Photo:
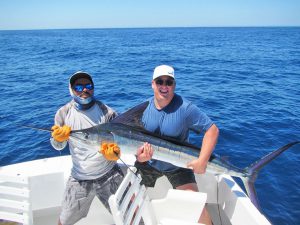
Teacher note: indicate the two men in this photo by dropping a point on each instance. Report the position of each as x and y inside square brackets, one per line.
[167, 114]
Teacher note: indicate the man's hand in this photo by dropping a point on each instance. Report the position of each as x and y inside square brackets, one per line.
[198, 166]
[61, 134]
[110, 151]
[144, 153]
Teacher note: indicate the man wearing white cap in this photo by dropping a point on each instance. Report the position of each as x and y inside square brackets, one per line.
[171, 115]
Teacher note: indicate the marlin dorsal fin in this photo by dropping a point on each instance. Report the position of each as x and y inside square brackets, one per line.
[132, 117]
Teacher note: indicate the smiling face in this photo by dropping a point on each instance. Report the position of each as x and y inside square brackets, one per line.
[163, 87]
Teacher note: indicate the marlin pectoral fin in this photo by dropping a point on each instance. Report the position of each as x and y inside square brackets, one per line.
[132, 117]
[224, 158]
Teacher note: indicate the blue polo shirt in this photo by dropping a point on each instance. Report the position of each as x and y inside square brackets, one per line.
[175, 120]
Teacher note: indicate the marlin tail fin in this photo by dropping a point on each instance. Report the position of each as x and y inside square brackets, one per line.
[253, 170]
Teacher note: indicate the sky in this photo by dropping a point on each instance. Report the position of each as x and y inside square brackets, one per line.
[69, 14]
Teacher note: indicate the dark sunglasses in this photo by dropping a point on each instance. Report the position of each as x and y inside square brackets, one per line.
[167, 82]
[80, 87]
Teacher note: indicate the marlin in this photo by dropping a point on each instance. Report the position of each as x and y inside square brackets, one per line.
[127, 131]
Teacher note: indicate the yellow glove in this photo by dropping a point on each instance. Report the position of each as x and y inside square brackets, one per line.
[110, 151]
[61, 134]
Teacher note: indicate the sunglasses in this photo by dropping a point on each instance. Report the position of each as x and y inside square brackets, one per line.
[167, 82]
[81, 87]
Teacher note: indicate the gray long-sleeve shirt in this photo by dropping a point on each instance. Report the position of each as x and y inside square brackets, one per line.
[88, 163]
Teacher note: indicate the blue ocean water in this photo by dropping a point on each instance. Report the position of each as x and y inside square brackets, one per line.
[246, 79]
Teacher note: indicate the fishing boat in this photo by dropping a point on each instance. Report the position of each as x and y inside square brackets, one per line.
[31, 193]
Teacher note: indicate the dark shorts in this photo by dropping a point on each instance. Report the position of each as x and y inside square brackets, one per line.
[177, 178]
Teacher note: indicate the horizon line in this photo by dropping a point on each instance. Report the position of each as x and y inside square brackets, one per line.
[154, 27]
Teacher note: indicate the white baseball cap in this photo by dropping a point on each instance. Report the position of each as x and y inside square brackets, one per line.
[163, 70]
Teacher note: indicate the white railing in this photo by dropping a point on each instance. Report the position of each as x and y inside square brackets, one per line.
[15, 199]
[131, 203]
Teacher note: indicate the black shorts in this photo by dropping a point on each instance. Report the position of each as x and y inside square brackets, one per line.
[177, 177]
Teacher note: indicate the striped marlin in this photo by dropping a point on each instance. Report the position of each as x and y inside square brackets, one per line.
[127, 131]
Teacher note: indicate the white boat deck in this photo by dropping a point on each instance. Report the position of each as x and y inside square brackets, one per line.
[227, 203]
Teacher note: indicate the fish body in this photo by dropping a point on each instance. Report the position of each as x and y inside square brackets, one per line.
[126, 130]
[129, 139]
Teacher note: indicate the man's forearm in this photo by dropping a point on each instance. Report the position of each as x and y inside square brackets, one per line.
[209, 142]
